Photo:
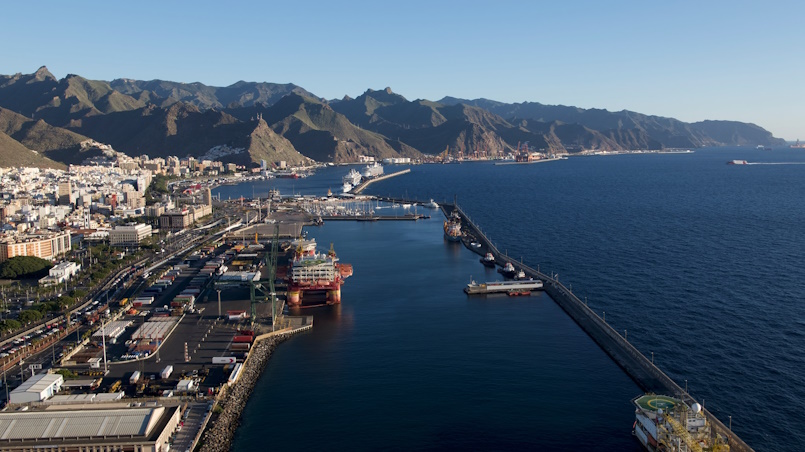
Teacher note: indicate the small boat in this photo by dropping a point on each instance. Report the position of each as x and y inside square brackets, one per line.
[508, 270]
[432, 204]
[488, 260]
[737, 162]
[520, 275]
[518, 293]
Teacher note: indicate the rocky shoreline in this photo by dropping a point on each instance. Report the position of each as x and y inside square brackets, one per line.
[219, 436]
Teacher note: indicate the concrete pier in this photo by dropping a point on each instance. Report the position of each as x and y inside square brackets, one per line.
[648, 376]
[362, 186]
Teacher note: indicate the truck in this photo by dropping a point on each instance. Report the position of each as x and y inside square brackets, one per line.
[240, 347]
[135, 377]
[166, 372]
[223, 359]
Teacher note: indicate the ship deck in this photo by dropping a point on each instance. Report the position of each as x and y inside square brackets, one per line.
[653, 402]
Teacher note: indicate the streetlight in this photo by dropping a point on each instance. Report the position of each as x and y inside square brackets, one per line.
[652, 357]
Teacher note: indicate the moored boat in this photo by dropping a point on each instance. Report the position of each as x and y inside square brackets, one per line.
[508, 270]
[488, 260]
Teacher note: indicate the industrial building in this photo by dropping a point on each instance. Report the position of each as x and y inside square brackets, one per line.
[146, 429]
[37, 388]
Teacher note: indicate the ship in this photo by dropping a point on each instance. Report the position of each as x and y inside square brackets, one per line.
[432, 204]
[508, 270]
[474, 288]
[347, 187]
[488, 260]
[373, 170]
[737, 162]
[797, 145]
[353, 178]
[452, 227]
[669, 424]
[315, 278]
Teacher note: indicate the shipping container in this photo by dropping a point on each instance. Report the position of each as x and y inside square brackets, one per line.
[166, 372]
[242, 339]
[135, 377]
[240, 347]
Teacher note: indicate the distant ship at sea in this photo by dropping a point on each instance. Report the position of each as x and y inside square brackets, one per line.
[797, 145]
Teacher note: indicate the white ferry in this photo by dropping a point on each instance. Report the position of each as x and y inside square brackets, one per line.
[373, 170]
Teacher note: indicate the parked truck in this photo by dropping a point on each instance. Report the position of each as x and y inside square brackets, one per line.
[135, 377]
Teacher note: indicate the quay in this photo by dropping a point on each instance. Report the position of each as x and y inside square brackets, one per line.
[362, 186]
[530, 162]
[406, 217]
[639, 368]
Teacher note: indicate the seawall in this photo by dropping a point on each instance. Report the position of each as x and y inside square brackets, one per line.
[648, 376]
[219, 435]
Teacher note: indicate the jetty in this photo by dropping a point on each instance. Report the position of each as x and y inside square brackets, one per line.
[362, 186]
[639, 368]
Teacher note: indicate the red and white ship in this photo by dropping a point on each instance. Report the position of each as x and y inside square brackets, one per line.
[315, 278]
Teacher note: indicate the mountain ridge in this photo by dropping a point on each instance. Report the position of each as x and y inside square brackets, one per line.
[246, 122]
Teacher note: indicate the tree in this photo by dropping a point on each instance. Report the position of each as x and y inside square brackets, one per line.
[30, 315]
[10, 325]
[24, 267]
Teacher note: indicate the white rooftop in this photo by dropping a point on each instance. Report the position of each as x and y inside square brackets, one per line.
[39, 383]
[48, 425]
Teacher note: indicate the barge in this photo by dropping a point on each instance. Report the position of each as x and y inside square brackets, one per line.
[474, 288]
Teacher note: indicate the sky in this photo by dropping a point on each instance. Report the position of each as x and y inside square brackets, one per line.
[691, 60]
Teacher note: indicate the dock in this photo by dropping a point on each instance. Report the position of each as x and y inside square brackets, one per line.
[362, 186]
[639, 368]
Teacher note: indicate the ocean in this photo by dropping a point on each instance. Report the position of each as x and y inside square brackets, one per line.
[697, 261]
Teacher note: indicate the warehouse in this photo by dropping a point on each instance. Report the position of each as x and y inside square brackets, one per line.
[37, 388]
[123, 429]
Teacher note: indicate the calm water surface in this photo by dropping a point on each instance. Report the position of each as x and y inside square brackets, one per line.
[700, 261]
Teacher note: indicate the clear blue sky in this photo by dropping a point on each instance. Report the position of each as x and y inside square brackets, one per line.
[691, 60]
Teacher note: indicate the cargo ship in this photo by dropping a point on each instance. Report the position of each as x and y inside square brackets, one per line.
[314, 278]
[373, 170]
[452, 227]
[665, 423]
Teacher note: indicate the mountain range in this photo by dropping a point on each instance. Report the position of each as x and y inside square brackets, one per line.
[45, 120]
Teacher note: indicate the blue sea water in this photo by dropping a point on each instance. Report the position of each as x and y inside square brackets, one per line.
[697, 260]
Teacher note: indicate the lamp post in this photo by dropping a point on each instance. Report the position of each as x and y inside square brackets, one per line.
[652, 357]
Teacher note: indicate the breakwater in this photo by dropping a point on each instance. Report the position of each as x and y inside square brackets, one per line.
[639, 368]
[362, 186]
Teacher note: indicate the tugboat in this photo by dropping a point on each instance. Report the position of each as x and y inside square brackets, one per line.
[508, 270]
[518, 293]
[488, 260]
[520, 275]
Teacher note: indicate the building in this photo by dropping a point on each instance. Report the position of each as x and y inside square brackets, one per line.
[155, 210]
[46, 246]
[175, 220]
[129, 235]
[206, 196]
[142, 429]
[37, 388]
[62, 272]
[65, 192]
